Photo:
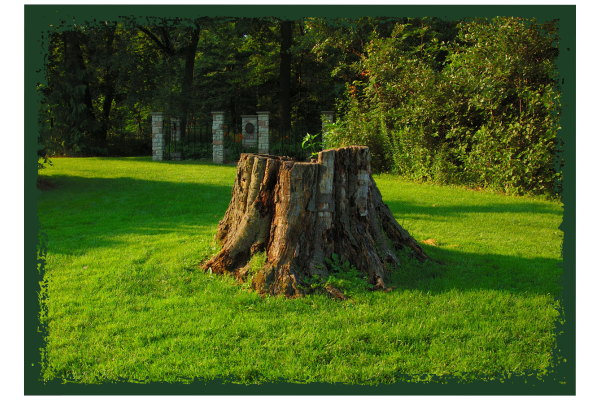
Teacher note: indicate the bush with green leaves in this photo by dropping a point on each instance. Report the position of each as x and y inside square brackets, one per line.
[234, 145]
[359, 127]
[502, 78]
[288, 148]
[189, 151]
[128, 145]
[480, 110]
[43, 153]
[342, 275]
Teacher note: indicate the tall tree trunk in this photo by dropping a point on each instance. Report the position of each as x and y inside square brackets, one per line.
[188, 77]
[78, 65]
[285, 66]
[110, 78]
[301, 213]
[188, 53]
[233, 112]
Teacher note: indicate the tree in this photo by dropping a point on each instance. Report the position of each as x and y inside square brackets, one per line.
[88, 74]
[470, 102]
[502, 76]
[71, 124]
[101, 50]
[178, 42]
[285, 65]
[123, 63]
[301, 214]
[225, 71]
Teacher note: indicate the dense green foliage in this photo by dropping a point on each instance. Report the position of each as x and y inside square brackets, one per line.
[99, 86]
[480, 109]
[472, 102]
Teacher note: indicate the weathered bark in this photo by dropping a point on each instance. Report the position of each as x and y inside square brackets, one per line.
[301, 213]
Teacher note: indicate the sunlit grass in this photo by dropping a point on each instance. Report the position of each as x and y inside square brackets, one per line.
[126, 301]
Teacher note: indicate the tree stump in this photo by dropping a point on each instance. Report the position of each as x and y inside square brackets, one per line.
[301, 213]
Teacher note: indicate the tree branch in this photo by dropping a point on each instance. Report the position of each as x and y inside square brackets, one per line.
[156, 40]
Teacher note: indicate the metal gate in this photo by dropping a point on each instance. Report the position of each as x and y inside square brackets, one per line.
[232, 127]
[192, 143]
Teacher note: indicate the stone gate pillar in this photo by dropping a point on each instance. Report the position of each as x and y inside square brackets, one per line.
[218, 137]
[263, 132]
[249, 130]
[158, 139]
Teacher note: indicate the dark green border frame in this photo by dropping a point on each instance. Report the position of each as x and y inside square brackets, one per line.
[560, 381]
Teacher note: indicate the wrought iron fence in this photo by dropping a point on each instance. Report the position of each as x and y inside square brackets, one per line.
[130, 127]
[289, 143]
[192, 143]
[129, 137]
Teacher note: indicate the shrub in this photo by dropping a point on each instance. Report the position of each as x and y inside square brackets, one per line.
[486, 116]
[125, 145]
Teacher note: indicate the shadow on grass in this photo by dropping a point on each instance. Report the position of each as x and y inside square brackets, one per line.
[454, 269]
[148, 159]
[406, 208]
[81, 213]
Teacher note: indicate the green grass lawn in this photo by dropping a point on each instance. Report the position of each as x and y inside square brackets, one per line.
[125, 300]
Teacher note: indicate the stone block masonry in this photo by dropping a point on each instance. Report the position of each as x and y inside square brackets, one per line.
[256, 134]
[249, 130]
[260, 125]
[263, 132]
[158, 139]
[218, 137]
[159, 132]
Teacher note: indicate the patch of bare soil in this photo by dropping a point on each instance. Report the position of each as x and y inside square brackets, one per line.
[45, 184]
